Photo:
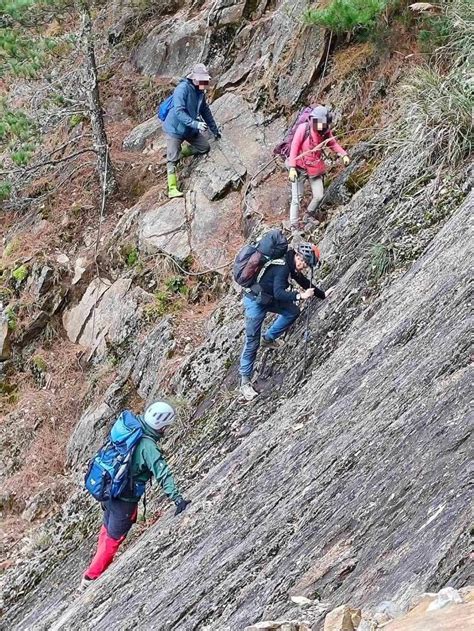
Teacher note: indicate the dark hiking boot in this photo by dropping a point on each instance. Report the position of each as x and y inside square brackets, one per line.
[271, 344]
[85, 582]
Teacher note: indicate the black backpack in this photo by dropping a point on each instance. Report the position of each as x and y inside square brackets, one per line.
[252, 259]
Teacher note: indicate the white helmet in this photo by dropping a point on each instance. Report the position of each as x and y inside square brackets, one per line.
[159, 415]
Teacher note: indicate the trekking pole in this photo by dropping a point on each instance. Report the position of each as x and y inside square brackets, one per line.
[306, 328]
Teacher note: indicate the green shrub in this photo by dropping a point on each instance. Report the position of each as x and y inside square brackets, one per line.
[159, 306]
[18, 135]
[76, 119]
[21, 10]
[167, 299]
[382, 260]
[19, 274]
[5, 190]
[11, 318]
[341, 16]
[177, 285]
[130, 254]
[39, 364]
[24, 55]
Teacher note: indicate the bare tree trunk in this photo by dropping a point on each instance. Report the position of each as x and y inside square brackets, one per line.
[104, 165]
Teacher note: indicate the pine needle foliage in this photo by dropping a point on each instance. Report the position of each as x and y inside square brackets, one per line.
[342, 16]
[24, 51]
[18, 139]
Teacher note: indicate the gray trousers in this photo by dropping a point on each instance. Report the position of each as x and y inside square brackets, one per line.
[297, 192]
[198, 144]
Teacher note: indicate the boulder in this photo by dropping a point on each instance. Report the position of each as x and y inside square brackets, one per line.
[214, 229]
[243, 144]
[163, 227]
[5, 335]
[343, 618]
[80, 266]
[143, 134]
[75, 319]
[227, 12]
[107, 314]
[457, 616]
[445, 597]
[277, 55]
[40, 280]
[172, 47]
[219, 172]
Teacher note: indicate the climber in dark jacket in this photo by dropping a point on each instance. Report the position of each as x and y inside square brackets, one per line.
[188, 120]
[274, 287]
[121, 513]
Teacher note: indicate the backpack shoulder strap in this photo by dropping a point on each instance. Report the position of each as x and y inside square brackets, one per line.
[267, 265]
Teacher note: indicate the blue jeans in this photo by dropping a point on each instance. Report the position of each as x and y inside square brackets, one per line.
[254, 317]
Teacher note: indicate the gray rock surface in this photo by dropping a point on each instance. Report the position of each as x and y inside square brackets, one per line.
[106, 315]
[333, 485]
[322, 509]
[172, 47]
[143, 134]
[274, 55]
[5, 335]
[144, 371]
[164, 227]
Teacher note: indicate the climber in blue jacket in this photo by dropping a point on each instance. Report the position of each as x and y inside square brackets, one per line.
[188, 119]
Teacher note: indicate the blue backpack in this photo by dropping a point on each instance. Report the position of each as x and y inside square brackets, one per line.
[108, 475]
[164, 108]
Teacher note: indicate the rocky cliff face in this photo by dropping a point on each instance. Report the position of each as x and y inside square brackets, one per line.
[347, 479]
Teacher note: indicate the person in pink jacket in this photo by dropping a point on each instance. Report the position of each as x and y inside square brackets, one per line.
[305, 163]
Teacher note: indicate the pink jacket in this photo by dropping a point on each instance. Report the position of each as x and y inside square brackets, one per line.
[312, 163]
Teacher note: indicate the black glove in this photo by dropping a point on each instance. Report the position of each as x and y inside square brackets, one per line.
[218, 136]
[181, 504]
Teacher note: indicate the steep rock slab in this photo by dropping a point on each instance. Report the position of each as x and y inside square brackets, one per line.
[205, 366]
[276, 55]
[141, 136]
[244, 148]
[214, 229]
[376, 474]
[150, 355]
[172, 47]
[107, 314]
[163, 227]
[217, 173]
[142, 373]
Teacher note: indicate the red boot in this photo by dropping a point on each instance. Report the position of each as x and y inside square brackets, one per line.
[106, 550]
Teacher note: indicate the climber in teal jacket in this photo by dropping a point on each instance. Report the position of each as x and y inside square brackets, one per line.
[121, 513]
[188, 120]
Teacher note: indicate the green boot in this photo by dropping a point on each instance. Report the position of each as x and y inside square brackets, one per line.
[173, 186]
[186, 151]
